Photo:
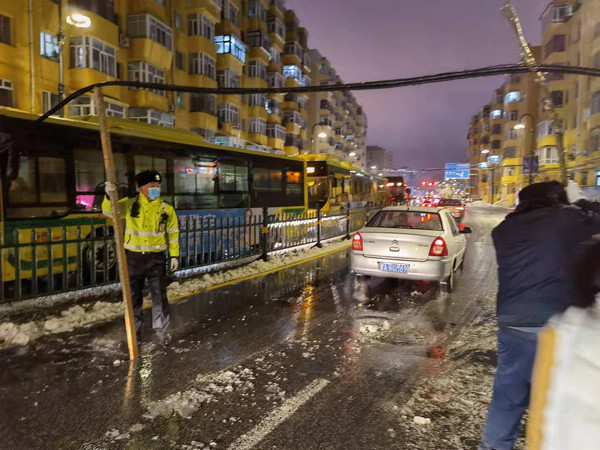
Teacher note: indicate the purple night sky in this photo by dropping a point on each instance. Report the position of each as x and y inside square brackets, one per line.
[368, 40]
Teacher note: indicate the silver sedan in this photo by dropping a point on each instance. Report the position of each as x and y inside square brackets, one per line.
[412, 243]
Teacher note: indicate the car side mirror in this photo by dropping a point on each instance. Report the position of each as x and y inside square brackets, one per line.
[466, 230]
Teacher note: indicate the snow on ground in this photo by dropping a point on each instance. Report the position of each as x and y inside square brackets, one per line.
[81, 315]
[448, 408]
[480, 204]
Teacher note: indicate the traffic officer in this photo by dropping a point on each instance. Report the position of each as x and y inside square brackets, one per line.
[151, 228]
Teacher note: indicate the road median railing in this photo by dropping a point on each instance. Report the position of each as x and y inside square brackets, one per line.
[38, 262]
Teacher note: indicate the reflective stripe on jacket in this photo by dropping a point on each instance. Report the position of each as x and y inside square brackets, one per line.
[147, 233]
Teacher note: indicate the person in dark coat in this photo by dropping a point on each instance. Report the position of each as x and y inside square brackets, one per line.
[536, 246]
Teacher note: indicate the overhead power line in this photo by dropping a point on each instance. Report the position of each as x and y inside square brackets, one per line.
[361, 86]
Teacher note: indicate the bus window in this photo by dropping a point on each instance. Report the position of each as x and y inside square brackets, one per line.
[150, 163]
[233, 178]
[23, 188]
[53, 176]
[89, 177]
[293, 184]
[194, 185]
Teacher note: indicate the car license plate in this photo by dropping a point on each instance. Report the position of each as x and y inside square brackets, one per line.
[398, 268]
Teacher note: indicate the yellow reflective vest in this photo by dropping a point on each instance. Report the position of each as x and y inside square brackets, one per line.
[148, 232]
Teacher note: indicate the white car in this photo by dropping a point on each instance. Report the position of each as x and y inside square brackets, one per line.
[412, 243]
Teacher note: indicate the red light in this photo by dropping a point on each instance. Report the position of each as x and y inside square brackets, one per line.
[423, 183]
[357, 242]
[430, 184]
[438, 248]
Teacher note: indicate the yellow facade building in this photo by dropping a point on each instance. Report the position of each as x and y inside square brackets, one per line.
[570, 36]
[203, 43]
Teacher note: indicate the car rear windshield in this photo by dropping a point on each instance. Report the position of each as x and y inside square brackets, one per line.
[412, 220]
[449, 202]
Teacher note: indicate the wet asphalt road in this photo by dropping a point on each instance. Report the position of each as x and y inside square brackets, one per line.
[281, 361]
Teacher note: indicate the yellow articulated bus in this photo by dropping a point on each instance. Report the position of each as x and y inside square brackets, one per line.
[52, 234]
[333, 185]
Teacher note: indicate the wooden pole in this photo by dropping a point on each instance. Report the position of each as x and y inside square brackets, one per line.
[109, 167]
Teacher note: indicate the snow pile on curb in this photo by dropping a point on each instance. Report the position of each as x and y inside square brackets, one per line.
[69, 319]
[79, 316]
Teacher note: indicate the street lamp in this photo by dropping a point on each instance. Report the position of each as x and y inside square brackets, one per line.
[352, 154]
[374, 167]
[77, 20]
[321, 135]
[522, 126]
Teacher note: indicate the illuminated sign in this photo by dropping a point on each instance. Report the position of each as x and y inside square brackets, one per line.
[310, 170]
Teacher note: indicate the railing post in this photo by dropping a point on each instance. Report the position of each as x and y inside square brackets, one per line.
[348, 223]
[264, 237]
[318, 244]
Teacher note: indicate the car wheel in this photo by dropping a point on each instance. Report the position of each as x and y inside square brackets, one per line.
[448, 284]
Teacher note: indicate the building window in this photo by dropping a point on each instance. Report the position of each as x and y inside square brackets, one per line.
[152, 116]
[272, 106]
[258, 39]
[207, 134]
[511, 135]
[178, 21]
[545, 128]
[202, 64]
[512, 97]
[89, 53]
[558, 43]
[49, 45]
[146, 73]
[257, 100]
[50, 100]
[496, 114]
[496, 144]
[595, 107]
[228, 79]
[86, 106]
[257, 69]
[597, 178]
[292, 71]
[228, 113]
[179, 101]
[575, 120]
[256, 125]
[257, 10]
[230, 12]
[199, 25]
[510, 152]
[293, 48]
[230, 44]
[497, 129]
[293, 117]
[275, 131]
[147, 26]
[204, 103]
[511, 116]
[556, 13]
[305, 81]
[5, 36]
[274, 55]
[103, 8]
[6, 93]
[179, 62]
[547, 155]
[275, 26]
[275, 80]
[557, 98]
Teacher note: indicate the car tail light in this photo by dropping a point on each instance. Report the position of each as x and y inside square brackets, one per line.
[460, 208]
[357, 242]
[438, 248]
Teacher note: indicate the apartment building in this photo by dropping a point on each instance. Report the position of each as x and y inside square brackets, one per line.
[570, 36]
[338, 123]
[204, 43]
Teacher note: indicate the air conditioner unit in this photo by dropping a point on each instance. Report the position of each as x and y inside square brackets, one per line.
[123, 40]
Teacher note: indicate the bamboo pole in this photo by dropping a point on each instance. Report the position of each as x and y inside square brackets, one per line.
[109, 166]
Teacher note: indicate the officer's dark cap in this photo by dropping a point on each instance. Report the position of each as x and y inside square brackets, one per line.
[148, 176]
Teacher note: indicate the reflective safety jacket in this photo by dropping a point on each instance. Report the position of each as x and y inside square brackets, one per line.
[155, 229]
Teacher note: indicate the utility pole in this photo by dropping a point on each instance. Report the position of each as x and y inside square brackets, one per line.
[508, 10]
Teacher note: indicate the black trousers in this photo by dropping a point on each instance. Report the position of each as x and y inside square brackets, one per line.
[150, 267]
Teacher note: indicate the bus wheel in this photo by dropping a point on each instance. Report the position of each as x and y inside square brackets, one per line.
[94, 258]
